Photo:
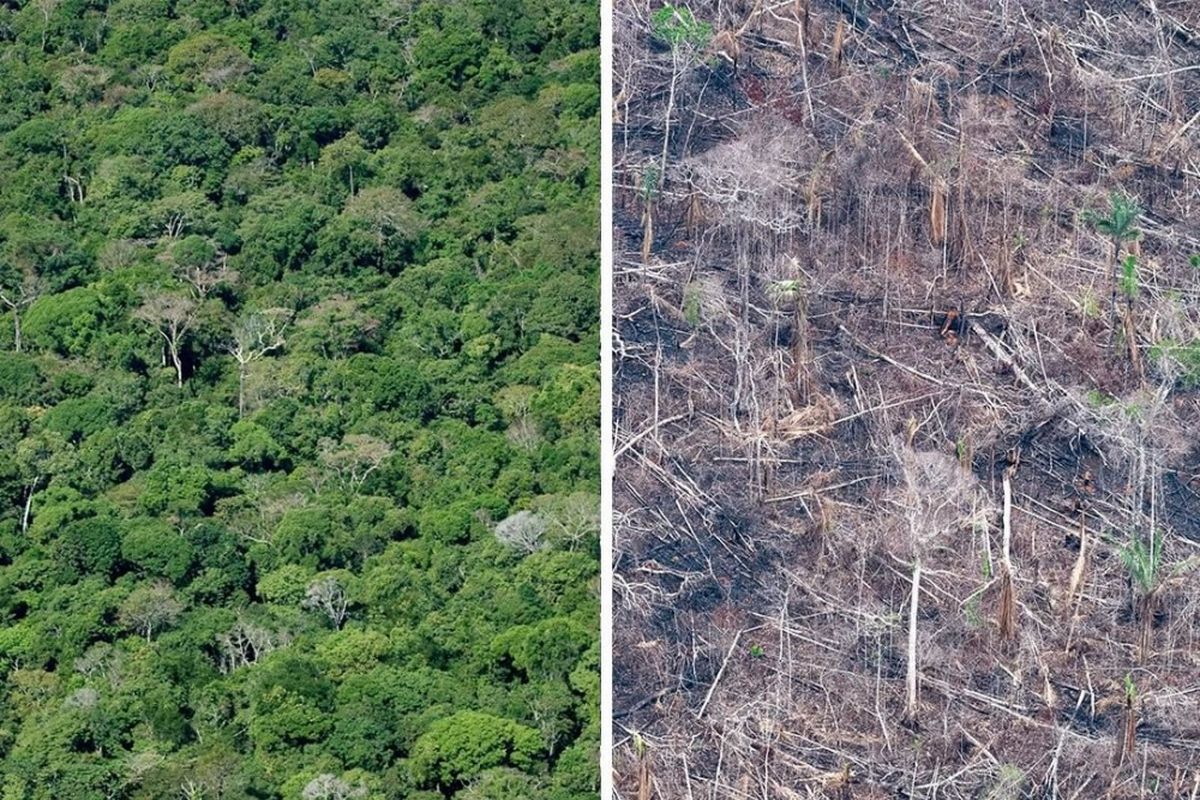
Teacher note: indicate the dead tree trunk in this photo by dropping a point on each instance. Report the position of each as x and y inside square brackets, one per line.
[1007, 614]
[910, 707]
[29, 504]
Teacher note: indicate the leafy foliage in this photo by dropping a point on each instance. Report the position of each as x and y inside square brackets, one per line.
[677, 26]
[1118, 222]
[298, 301]
[1143, 561]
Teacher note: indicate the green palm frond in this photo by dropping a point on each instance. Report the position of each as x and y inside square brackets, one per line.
[785, 292]
[1143, 562]
[1123, 212]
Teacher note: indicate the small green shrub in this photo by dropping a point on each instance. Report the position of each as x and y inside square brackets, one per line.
[677, 26]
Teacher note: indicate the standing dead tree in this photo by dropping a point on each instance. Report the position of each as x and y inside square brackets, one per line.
[353, 460]
[172, 317]
[935, 497]
[17, 293]
[254, 336]
[1007, 615]
[328, 596]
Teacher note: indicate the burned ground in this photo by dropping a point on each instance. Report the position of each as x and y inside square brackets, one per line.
[861, 290]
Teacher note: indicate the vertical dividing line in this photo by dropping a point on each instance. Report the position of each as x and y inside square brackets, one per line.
[606, 398]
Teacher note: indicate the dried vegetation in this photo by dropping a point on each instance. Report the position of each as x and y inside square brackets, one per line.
[908, 340]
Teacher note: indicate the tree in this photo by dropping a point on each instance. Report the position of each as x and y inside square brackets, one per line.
[330, 787]
[19, 289]
[1119, 225]
[467, 743]
[791, 293]
[328, 596]
[686, 36]
[254, 336]
[354, 460]
[574, 519]
[524, 531]
[1144, 560]
[150, 608]
[376, 225]
[198, 264]
[38, 458]
[337, 327]
[344, 159]
[212, 58]
[171, 316]
[935, 496]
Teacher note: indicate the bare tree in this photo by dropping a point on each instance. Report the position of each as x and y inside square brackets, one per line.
[203, 278]
[328, 596]
[353, 460]
[16, 294]
[524, 531]
[246, 643]
[935, 496]
[171, 316]
[150, 608]
[573, 519]
[253, 337]
[331, 787]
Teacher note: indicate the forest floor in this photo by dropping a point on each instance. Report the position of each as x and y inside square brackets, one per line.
[875, 330]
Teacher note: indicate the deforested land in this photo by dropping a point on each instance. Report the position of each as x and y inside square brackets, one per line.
[299, 400]
[907, 370]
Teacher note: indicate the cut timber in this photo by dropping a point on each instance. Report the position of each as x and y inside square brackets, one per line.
[720, 672]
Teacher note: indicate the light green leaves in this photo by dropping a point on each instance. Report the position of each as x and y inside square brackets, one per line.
[1143, 561]
[678, 27]
[1118, 224]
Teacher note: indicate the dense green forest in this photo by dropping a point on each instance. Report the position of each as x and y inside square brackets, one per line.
[299, 399]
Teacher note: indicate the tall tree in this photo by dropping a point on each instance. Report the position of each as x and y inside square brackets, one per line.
[18, 290]
[171, 316]
[254, 336]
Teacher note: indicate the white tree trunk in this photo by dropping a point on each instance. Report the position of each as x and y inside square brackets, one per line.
[29, 505]
[241, 388]
[913, 607]
[675, 70]
[1006, 544]
[178, 364]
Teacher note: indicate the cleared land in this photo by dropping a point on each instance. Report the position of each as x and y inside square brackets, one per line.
[908, 316]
